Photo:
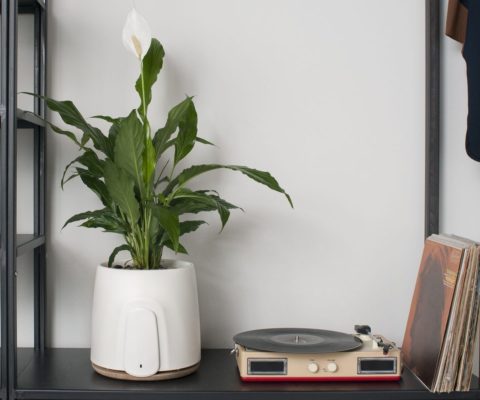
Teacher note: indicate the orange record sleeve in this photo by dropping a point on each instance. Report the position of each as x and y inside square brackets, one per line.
[430, 308]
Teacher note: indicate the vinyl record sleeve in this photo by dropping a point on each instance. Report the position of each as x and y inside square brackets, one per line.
[430, 307]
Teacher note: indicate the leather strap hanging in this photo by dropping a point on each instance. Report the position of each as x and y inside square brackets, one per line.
[457, 16]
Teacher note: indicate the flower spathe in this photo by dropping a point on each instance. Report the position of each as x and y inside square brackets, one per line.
[136, 34]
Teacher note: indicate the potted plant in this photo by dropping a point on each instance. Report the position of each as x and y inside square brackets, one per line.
[145, 318]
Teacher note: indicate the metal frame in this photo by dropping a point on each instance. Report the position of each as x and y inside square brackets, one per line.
[11, 244]
[4, 195]
[10, 118]
[9, 147]
[40, 30]
[432, 116]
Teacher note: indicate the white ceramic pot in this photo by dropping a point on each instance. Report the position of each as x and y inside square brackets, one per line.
[145, 323]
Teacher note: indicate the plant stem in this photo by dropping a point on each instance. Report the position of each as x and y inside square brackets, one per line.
[144, 103]
[144, 237]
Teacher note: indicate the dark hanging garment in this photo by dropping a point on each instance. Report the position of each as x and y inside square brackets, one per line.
[463, 25]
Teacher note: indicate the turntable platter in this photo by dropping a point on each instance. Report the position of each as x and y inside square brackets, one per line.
[294, 340]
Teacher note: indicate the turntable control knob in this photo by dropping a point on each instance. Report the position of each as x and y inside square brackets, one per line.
[332, 367]
[313, 367]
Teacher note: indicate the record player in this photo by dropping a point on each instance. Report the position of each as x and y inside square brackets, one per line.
[291, 354]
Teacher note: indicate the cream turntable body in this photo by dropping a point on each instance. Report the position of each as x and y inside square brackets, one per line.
[292, 354]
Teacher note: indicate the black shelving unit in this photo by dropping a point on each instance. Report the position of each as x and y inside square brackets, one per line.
[58, 374]
[67, 374]
[42, 373]
[13, 245]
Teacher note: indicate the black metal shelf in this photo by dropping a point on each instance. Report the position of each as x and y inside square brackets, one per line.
[29, 6]
[28, 242]
[43, 374]
[31, 3]
[67, 373]
[28, 120]
[13, 245]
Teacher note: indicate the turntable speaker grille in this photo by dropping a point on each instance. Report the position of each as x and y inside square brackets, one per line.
[267, 366]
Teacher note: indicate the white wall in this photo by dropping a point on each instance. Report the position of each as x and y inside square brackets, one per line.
[327, 95]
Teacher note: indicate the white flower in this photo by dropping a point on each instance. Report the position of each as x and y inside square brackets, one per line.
[136, 34]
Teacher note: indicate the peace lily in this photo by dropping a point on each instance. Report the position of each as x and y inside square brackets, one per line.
[136, 34]
[134, 172]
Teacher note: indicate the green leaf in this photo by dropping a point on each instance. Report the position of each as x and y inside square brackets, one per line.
[262, 177]
[55, 128]
[115, 251]
[186, 205]
[204, 141]
[171, 142]
[94, 165]
[68, 112]
[149, 162]
[160, 180]
[161, 139]
[95, 185]
[63, 132]
[129, 145]
[82, 216]
[88, 159]
[155, 230]
[168, 220]
[73, 176]
[113, 132]
[71, 116]
[63, 181]
[121, 189]
[190, 226]
[109, 222]
[151, 66]
[187, 133]
[180, 249]
[107, 118]
[103, 218]
[202, 201]
[214, 194]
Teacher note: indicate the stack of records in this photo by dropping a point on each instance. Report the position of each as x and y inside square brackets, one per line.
[439, 340]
